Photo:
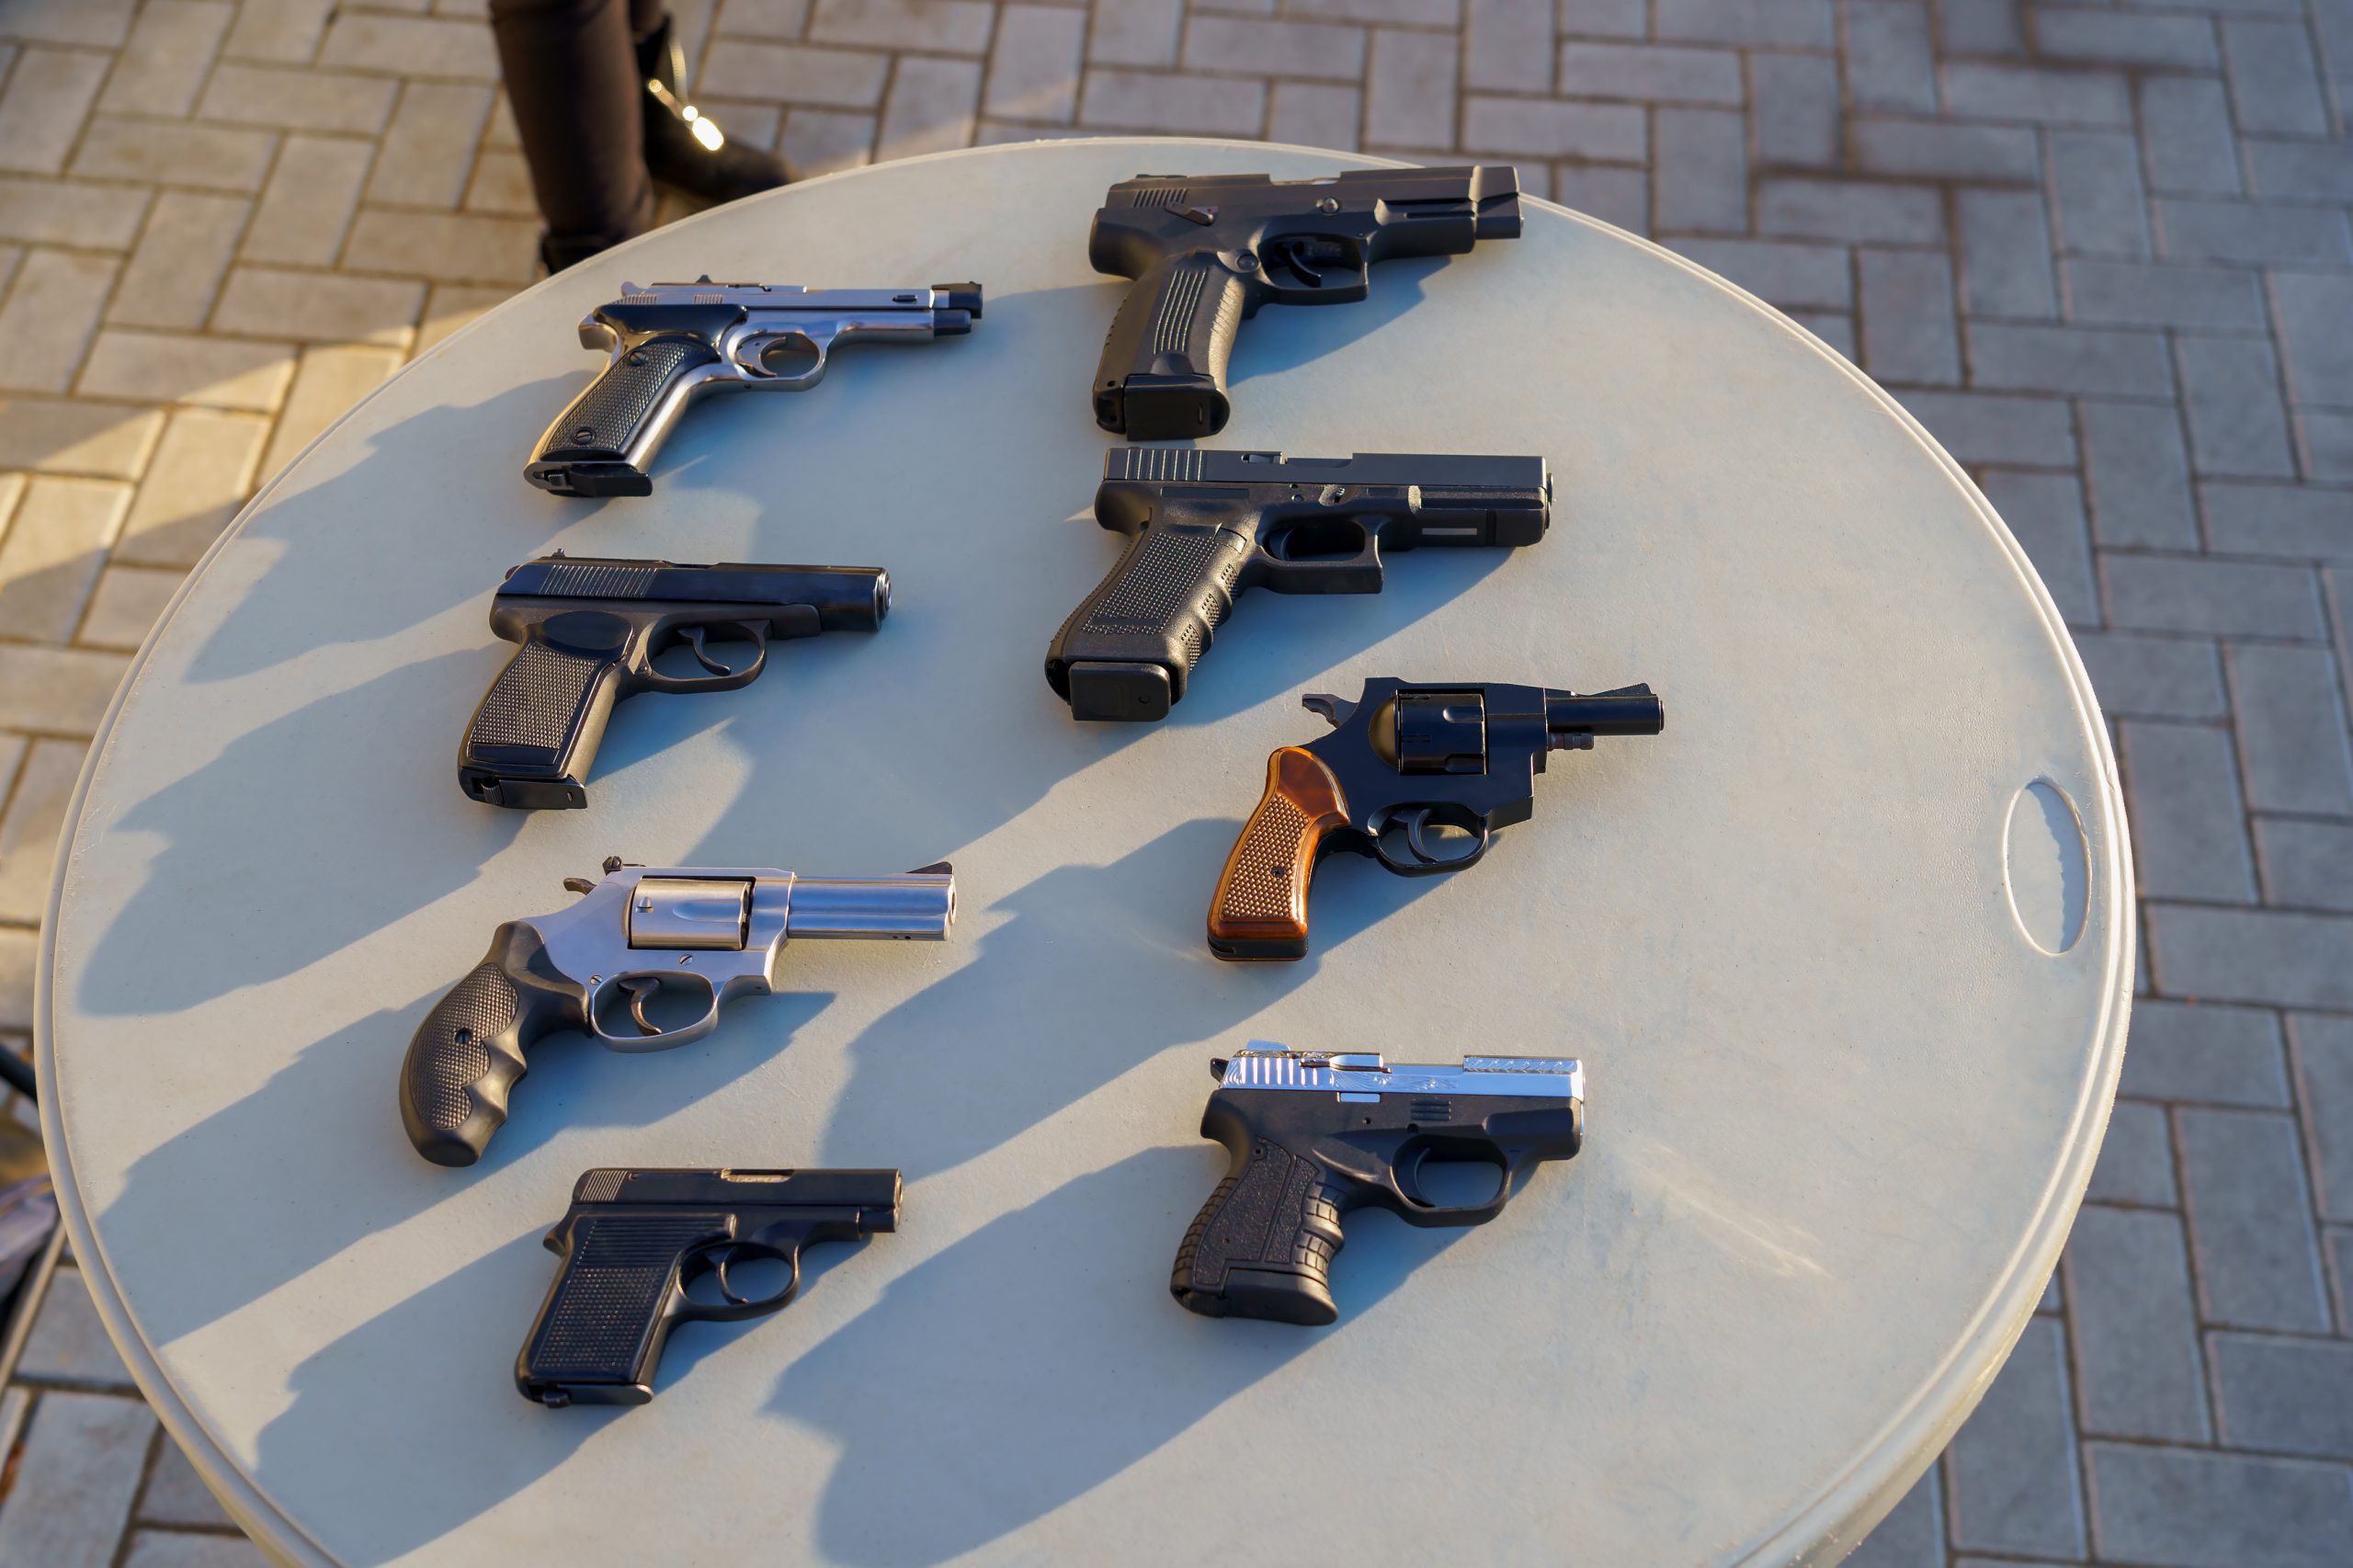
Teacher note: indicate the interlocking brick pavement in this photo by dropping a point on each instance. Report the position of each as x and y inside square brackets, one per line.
[2103, 251]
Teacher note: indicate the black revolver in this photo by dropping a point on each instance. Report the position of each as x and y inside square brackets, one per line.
[671, 343]
[590, 629]
[634, 1244]
[1207, 252]
[1403, 765]
[1205, 525]
[1314, 1135]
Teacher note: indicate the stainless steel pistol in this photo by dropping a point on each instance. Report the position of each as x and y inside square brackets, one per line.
[671, 343]
[714, 934]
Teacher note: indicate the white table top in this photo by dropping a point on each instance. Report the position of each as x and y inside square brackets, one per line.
[1841, 1107]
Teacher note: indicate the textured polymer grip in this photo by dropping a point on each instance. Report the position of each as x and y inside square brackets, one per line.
[532, 741]
[1262, 1246]
[586, 450]
[599, 1333]
[1259, 910]
[469, 1051]
[1125, 652]
[1162, 373]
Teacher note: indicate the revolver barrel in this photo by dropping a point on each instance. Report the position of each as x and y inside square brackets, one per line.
[1571, 720]
[916, 907]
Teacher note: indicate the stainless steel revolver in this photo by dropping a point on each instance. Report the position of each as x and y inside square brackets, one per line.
[711, 933]
[671, 343]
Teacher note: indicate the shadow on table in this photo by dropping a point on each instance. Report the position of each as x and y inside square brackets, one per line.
[315, 1160]
[1048, 1313]
[1115, 966]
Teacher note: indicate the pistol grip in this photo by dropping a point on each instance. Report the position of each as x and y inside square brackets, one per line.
[467, 1054]
[602, 444]
[1259, 910]
[1162, 377]
[532, 738]
[1125, 652]
[599, 1334]
[1262, 1246]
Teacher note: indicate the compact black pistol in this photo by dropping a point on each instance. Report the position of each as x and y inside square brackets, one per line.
[1405, 769]
[1204, 526]
[669, 344]
[1206, 252]
[634, 1244]
[1313, 1134]
[590, 629]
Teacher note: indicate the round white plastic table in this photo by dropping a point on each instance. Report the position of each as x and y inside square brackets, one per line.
[1846, 952]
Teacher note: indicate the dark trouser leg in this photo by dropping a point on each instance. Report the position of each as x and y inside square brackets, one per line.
[572, 75]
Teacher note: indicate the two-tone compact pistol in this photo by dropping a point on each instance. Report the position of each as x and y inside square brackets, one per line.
[1205, 525]
[589, 629]
[670, 344]
[636, 1246]
[706, 934]
[1313, 1134]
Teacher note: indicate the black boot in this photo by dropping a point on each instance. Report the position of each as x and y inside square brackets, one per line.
[683, 147]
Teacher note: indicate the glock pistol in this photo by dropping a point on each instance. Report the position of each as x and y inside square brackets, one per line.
[706, 935]
[1207, 252]
[1313, 1134]
[636, 1244]
[1417, 776]
[1204, 526]
[671, 343]
[589, 629]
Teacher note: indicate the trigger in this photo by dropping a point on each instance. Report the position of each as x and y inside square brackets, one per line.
[640, 989]
[694, 635]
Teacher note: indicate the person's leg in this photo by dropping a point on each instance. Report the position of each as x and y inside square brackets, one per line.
[682, 146]
[573, 77]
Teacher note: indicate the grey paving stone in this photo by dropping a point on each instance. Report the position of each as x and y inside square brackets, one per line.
[1889, 57]
[2306, 864]
[2137, 473]
[2156, 677]
[2278, 519]
[2045, 511]
[1409, 91]
[2284, 1395]
[80, 1465]
[1980, 26]
[2169, 593]
[1986, 427]
[177, 1496]
[1549, 128]
[2320, 1049]
[1787, 274]
[2044, 94]
[1787, 24]
[1701, 178]
[68, 1343]
[2238, 424]
[931, 108]
[2291, 729]
[2133, 1325]
[2188, 831]
[2264, 956]
[2250, 230]
[1034, 64]
[2274, 85]
[1947, 149]
[2187, 138]
[2127, 294]
[1313, 114]
[2318, 171]
[2206, 1052]
[2006, 254]
[1850, 212]
[2097, 205]
[2340, 1260]
[1910, 333]
[2012, 1467]
[1507, 45]
[1793, 111]
[2311, 311]
[1136, 32]
[2201, 1509]
[171, 1549]
[1605, 19]
[2250, 1220]
[2324, 444]
[1281, 49]
[1669, 74]
[1912, 1536]
[1128, 100]
[2112, 38]
[1615, 195]
[2067, 360]
[2135, 1164]
[1837, 331]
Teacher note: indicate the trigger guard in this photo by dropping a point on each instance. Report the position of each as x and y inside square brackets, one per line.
[754, 369]
[660, 1040]
[695, 636]
[1414, 820]
[727, 1288]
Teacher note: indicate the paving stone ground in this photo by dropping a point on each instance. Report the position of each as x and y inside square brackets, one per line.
[2101, 251]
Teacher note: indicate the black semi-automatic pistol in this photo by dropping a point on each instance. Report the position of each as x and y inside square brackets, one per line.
[636, 1244]
[1207, 251]
[671, 343]
[1313, 1134]
[1405, 769]
[1205, 525]
[590, 629]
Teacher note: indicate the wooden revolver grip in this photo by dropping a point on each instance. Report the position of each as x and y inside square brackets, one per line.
[1259, 910]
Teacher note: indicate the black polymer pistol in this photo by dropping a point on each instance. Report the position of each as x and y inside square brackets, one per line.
[1401, 761]
[671, 343]
[590, 629]
[635, 1243]
[1204, 526]
[1314, 1135]
[1207, 252]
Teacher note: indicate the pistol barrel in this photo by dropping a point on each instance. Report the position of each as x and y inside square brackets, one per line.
[919, 906]
[1634, 710]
